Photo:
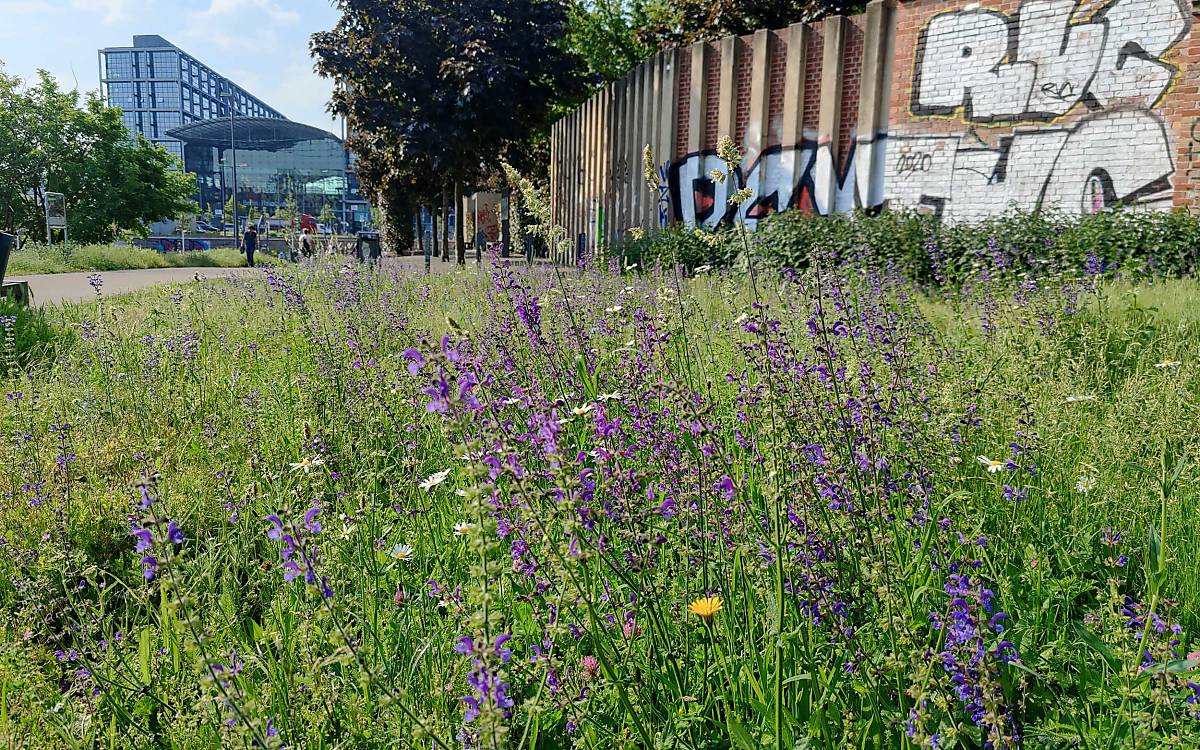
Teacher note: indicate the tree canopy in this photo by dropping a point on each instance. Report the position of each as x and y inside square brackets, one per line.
[49, 141]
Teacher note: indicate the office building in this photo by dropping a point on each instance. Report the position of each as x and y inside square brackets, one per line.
[277, 161]
[180, 103]
[160, 87]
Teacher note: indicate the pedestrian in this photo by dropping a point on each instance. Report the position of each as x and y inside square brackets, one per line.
[250, 244]
[306, 243]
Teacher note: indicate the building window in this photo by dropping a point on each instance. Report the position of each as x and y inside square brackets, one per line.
[118, 65]
[166, 94]
[121, 95]
[164, 64]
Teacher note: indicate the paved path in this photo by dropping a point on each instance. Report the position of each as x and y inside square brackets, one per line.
[61, 288]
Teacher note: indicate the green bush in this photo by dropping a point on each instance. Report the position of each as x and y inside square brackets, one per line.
[30, 337]
[39, 259]
[930, 250]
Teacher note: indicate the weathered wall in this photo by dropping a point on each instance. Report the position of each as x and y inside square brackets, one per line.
[1040, 103]
[959, 109]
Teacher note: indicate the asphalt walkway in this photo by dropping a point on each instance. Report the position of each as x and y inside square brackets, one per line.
[63, 288]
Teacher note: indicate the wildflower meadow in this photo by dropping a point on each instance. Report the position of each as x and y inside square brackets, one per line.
[331, 506]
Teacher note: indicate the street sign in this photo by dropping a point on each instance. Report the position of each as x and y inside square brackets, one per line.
[56, 210]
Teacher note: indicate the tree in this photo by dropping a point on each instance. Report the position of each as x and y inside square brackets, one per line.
[436, 91]
[112, 183]
[604, 34]
[671, 23]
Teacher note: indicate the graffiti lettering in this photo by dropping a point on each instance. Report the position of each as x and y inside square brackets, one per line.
[1040, 64]
[1074, 169]
[968, 64]
[913, 161]
[781, 178]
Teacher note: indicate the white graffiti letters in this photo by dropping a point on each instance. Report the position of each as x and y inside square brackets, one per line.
[1038, 64]
[961, 66]
[1077, 169]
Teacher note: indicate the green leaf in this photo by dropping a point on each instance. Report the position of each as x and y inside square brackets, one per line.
[144, 646]
[738, 734]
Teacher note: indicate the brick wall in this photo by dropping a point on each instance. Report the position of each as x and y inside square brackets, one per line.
[970, 108]
[1040, 105]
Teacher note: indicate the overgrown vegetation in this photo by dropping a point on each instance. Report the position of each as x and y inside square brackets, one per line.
[931, 251]
[57, 141]
[808, 508]
[37, 259]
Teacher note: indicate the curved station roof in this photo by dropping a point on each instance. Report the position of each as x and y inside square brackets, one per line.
[264, 133]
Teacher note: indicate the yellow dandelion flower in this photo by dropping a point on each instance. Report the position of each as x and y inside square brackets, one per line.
[706, 606]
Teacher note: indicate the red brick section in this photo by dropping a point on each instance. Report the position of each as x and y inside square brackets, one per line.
[712, 76]
[852, 65]
[775, 83]
[812, 81]
[1179, 107]
[742, 78]
[683, 101]
[1182, 109]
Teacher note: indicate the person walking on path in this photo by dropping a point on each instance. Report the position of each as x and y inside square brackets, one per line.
[306, 244]
[250, 244]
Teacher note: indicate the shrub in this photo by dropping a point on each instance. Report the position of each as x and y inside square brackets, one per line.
[932, 251]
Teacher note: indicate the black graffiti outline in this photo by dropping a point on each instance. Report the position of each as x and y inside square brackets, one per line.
[1012, 21]
[1003, 150]
[804, 185]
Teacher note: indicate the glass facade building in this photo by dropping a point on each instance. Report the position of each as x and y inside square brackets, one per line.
[160, 87]
[277, 161]
[180, 103]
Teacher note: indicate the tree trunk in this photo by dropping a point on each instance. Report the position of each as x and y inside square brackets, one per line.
[433, 235]
[445, 226]
[395, 221]
[420, 230]
[460, 248]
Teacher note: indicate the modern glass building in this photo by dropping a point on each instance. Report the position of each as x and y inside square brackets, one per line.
[160, 87]
[277, 160]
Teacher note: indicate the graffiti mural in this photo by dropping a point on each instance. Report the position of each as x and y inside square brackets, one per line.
[780, 179]
[1079, 93]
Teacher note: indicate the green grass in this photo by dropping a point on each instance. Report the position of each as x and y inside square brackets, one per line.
[805, 449]
[39, 259]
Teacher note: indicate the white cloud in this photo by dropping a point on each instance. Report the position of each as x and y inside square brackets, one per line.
[268, 7]
[110, 11]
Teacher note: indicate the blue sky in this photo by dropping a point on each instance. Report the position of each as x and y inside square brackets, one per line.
[260, 44]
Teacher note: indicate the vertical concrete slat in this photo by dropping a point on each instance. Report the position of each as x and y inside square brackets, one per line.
[669, 127]
[699, 98]
[760, 76]
[829, 118]
[872, 107]
[555, 155]
[646, 138]
[590, 167]
[628, 114]
[655, 136]
[727, 108]
[638, 129]
[793, 85]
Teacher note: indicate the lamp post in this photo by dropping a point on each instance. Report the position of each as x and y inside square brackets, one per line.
[227, 94]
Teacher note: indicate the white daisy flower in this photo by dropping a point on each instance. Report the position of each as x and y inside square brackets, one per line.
[1077, 399]
[613, 309]
[307, 464]
[606, 397]
[991, 465]
[579, 411]
[1167, 363]
[511, 401]
[462, 528]
[434, 480]
[741, 319]
[1085, 484]
[403, 552]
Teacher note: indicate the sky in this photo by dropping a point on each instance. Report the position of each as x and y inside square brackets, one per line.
[261, 44]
